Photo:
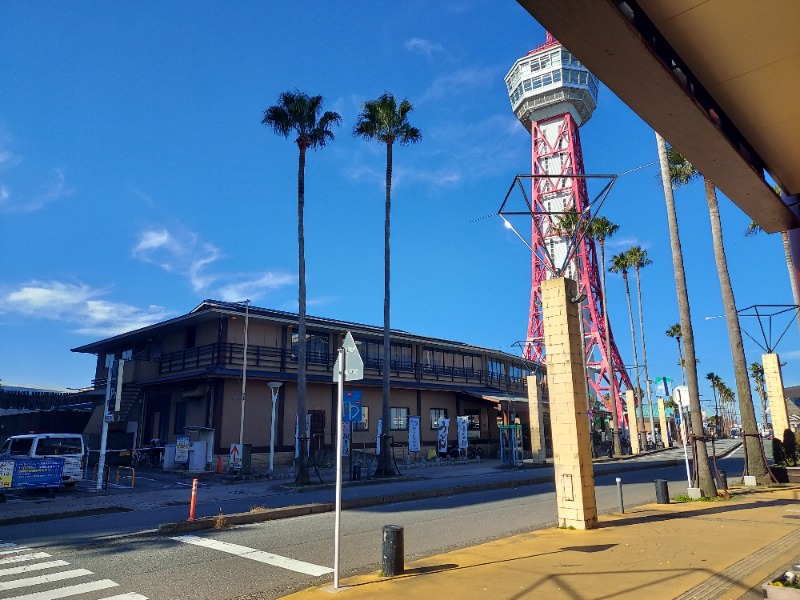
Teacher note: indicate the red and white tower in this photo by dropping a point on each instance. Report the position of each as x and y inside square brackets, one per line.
[553, 94]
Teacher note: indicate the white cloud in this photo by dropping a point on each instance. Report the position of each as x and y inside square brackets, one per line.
[185, 254]
[459, 82]
[421, 46]
[80, 304]
[49, 192]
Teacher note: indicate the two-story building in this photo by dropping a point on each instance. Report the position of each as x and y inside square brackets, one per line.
[188, 372]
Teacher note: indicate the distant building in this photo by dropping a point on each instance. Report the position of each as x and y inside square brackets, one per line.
[32, 410]
[187, 373]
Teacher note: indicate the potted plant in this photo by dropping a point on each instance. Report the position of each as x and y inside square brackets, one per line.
[785, 587]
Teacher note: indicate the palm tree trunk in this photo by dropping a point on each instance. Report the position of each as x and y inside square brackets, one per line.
[787, 252]
[644, 358]
[302, 464]
[702, 468]
[617, 444]
[637, 393]
[681, 362]
[755, 460]
[386, 463]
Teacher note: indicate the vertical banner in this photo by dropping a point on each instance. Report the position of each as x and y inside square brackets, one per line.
[378, 438]
[296, 436]
[462, 423]
[413, 434]
[345, 438]
[444, 428]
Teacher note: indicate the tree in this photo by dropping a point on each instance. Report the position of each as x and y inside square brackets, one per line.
[600, 229]
[620, 263]
[639, 260]
[301, 114]
[702, 467]
[757, 372]
[675, 332]
[684, 172]
[386, 122]
[715, 383]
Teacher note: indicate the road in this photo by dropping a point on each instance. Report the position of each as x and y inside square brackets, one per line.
[267, 560]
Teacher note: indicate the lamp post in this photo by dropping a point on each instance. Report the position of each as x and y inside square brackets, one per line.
[274, 386]
[244, 368]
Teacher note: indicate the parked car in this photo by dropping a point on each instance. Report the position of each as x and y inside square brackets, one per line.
[68, 446]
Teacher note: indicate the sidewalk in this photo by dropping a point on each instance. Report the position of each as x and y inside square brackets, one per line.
[693, 550]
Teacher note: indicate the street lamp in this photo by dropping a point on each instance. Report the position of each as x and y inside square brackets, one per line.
[274, 386]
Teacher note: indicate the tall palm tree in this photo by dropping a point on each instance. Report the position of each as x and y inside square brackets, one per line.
[716, 384]
[621, 263]
[702, 467]
[601, 229]
[757, 371]
[639, 260]
[684, 173]
[675, 332]
[301, 114]
[386, 122]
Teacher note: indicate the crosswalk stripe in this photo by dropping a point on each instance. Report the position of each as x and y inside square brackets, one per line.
[23, 557]
[128, 596]
[65, 592]
[35, 567]
[18, 583]
[15, 550]
[257, 555]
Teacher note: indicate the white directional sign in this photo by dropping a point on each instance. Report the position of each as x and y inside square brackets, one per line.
[353, 365]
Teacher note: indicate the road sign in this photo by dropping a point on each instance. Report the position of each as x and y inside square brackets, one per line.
[352, 407]
[353, 365]
[677, 418]
[235, 458]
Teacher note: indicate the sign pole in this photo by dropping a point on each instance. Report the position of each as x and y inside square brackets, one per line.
[338, 518]
[113, 393]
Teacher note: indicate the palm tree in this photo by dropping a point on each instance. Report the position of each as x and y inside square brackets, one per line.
[716, 384]
[600, 229]
[684, 173]
[620, 263]
[301, 114]
[703, 469]
[639, 260]
[675, 332]
[757, 371]
[386, 122]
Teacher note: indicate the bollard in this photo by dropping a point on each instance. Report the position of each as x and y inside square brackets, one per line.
[194, 500]
[722, 480]
[356, 476]
[619, 495]
[662, 491]
[392, 551]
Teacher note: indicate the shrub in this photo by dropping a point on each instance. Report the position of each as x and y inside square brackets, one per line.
[778, 452]
[790, 447]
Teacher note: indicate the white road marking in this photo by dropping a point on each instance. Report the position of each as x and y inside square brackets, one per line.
[10, 585]
[36, 567]
[72, 590]
[257, 555]
[15, 550]
[128, 596]
[23, 557]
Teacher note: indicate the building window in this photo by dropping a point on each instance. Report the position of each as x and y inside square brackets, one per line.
[180, 417]
[399, 419]
[436, 414]
[363, 424]
[316, 347]
[110, 358]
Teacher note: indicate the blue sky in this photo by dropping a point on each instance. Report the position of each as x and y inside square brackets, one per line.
[136, 180]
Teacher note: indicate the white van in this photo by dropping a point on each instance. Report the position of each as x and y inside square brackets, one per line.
[68, 446]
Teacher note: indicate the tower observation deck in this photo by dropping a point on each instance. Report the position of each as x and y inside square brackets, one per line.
[552, 94]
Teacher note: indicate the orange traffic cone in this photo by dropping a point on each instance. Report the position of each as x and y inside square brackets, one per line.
[219, 465]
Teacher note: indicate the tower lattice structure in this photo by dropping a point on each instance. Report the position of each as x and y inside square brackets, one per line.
[553, 94]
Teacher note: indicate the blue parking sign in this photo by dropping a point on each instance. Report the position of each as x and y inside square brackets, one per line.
[352, 407]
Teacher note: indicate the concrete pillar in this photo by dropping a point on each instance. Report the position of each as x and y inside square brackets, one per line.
[662, 421]
[773, 379]
[536, 414]
[566, 378]
[633, 423]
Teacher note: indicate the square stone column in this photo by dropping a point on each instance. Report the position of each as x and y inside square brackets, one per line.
[773, 378]
[633, 423]
[662, 420]
[536, 414]
[566, 378]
